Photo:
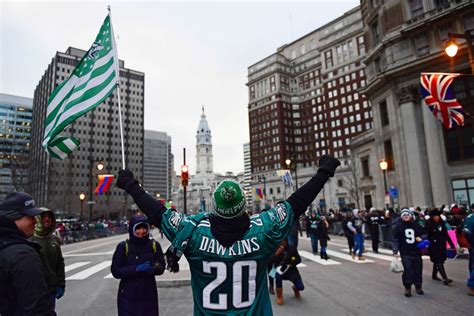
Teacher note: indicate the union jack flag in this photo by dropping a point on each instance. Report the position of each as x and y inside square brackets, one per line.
[438, 94]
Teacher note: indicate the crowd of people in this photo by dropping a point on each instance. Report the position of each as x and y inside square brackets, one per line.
[225, 239]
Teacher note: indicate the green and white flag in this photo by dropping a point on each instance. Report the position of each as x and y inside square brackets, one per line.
[91, 82]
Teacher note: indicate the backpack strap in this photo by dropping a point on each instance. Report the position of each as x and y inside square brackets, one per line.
[126, 248]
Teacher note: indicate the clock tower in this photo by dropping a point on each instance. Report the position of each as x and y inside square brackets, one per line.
[204, 165]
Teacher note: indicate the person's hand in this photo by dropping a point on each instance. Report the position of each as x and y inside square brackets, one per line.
[125, 179]
[60, 292]
[142, 267]
[418, 239]
[328, 164]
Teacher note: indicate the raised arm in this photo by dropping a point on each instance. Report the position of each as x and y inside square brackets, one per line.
[302, 198]
[150, 206]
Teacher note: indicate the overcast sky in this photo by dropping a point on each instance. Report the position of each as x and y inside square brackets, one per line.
[192, 53]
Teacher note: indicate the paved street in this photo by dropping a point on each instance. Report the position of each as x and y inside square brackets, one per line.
[340, 286]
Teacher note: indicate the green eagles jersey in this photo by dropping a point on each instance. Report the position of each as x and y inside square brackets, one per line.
[233, 280]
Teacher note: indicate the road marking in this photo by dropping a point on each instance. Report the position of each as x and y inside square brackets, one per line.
[75, 265]
[390, 252]
[90, 271]
[88, 254]
[310, 256]
[116, 240]
[347, 257]
[301, 265]
[375, 255]
[109, 276]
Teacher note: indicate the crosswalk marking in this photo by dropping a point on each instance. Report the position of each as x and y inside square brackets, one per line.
[301, 265]
[375, 255]
[310, 256]
[346, 257]
[390, 252]
[90, 271]
[109, 276]
[75, 265]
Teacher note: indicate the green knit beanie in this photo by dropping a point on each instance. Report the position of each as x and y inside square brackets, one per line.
[228, 199]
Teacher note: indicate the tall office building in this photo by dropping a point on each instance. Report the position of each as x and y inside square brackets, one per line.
[15, 138]
[57, 184]
[158, 164]
[427, 164]
[247, 179]
[304, 102]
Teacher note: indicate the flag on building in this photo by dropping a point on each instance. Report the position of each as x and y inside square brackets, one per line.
[259, 193]
[105, 180]
[437, 91]
[91, 82]
[285, 176]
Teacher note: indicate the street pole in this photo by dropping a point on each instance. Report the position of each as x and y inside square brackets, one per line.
[184, 187]
[296, 176]
[91, 182]
[385, 186]
[82, 208]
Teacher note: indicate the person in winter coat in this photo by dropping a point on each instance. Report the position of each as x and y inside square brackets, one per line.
[286, 259]
[349, 234]
[136, 261]
[356, 225]
[312, 228]
[374, 220]
[227, 239]
[50, 252]
[323, 236]
[406, 235]
[23, 289]
[468, 231]
[438, 236]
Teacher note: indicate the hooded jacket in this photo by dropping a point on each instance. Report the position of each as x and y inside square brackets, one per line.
[137, 293]
[23, 289]
[50, 253]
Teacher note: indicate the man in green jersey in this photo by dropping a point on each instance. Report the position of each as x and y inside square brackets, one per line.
[228, 250]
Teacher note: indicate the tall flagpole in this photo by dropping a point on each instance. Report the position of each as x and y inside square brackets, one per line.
[117, 71]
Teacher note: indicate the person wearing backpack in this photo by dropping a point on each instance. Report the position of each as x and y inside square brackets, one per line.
[136, 261]
[313, 221]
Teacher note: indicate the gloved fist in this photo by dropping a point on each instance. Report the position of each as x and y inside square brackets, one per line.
[172, 261]
[125, 180]
[328, 164]
[60, 292]
[142, 267]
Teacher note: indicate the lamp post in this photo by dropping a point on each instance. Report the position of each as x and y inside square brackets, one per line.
[82, 197]
[100, 166]
[384, 166]
[452, 47]
[288, 164]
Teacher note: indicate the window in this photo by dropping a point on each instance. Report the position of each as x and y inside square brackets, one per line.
[364, 162]
[328, 59]
[459, 142]
[422, 45]
[416, 8]
[463, 191]
[384, 121]
[339, 183]
[387, 145]
[374, 27]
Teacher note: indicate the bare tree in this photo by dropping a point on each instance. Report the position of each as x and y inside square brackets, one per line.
[18, 165]
[350, 182]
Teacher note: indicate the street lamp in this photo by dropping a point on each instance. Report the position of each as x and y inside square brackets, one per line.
[384, 166]
[288, 164]
[99, 166]
[452, 47]
[82, 197]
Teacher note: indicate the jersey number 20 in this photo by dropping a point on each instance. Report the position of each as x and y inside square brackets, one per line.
[237, 268]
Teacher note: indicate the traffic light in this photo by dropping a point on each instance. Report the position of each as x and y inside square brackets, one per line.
[184, 175]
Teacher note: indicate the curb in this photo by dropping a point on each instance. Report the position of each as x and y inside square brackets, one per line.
[173, 283]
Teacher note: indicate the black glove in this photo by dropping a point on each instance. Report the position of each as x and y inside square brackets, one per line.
[125, 180]
[172, 260]
[329, 164]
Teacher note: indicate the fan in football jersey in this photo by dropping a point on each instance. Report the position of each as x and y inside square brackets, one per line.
[228, 250]
[407, 235]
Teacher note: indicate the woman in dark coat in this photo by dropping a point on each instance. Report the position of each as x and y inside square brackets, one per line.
[323, 236]
[136, 261]
[438, 236]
